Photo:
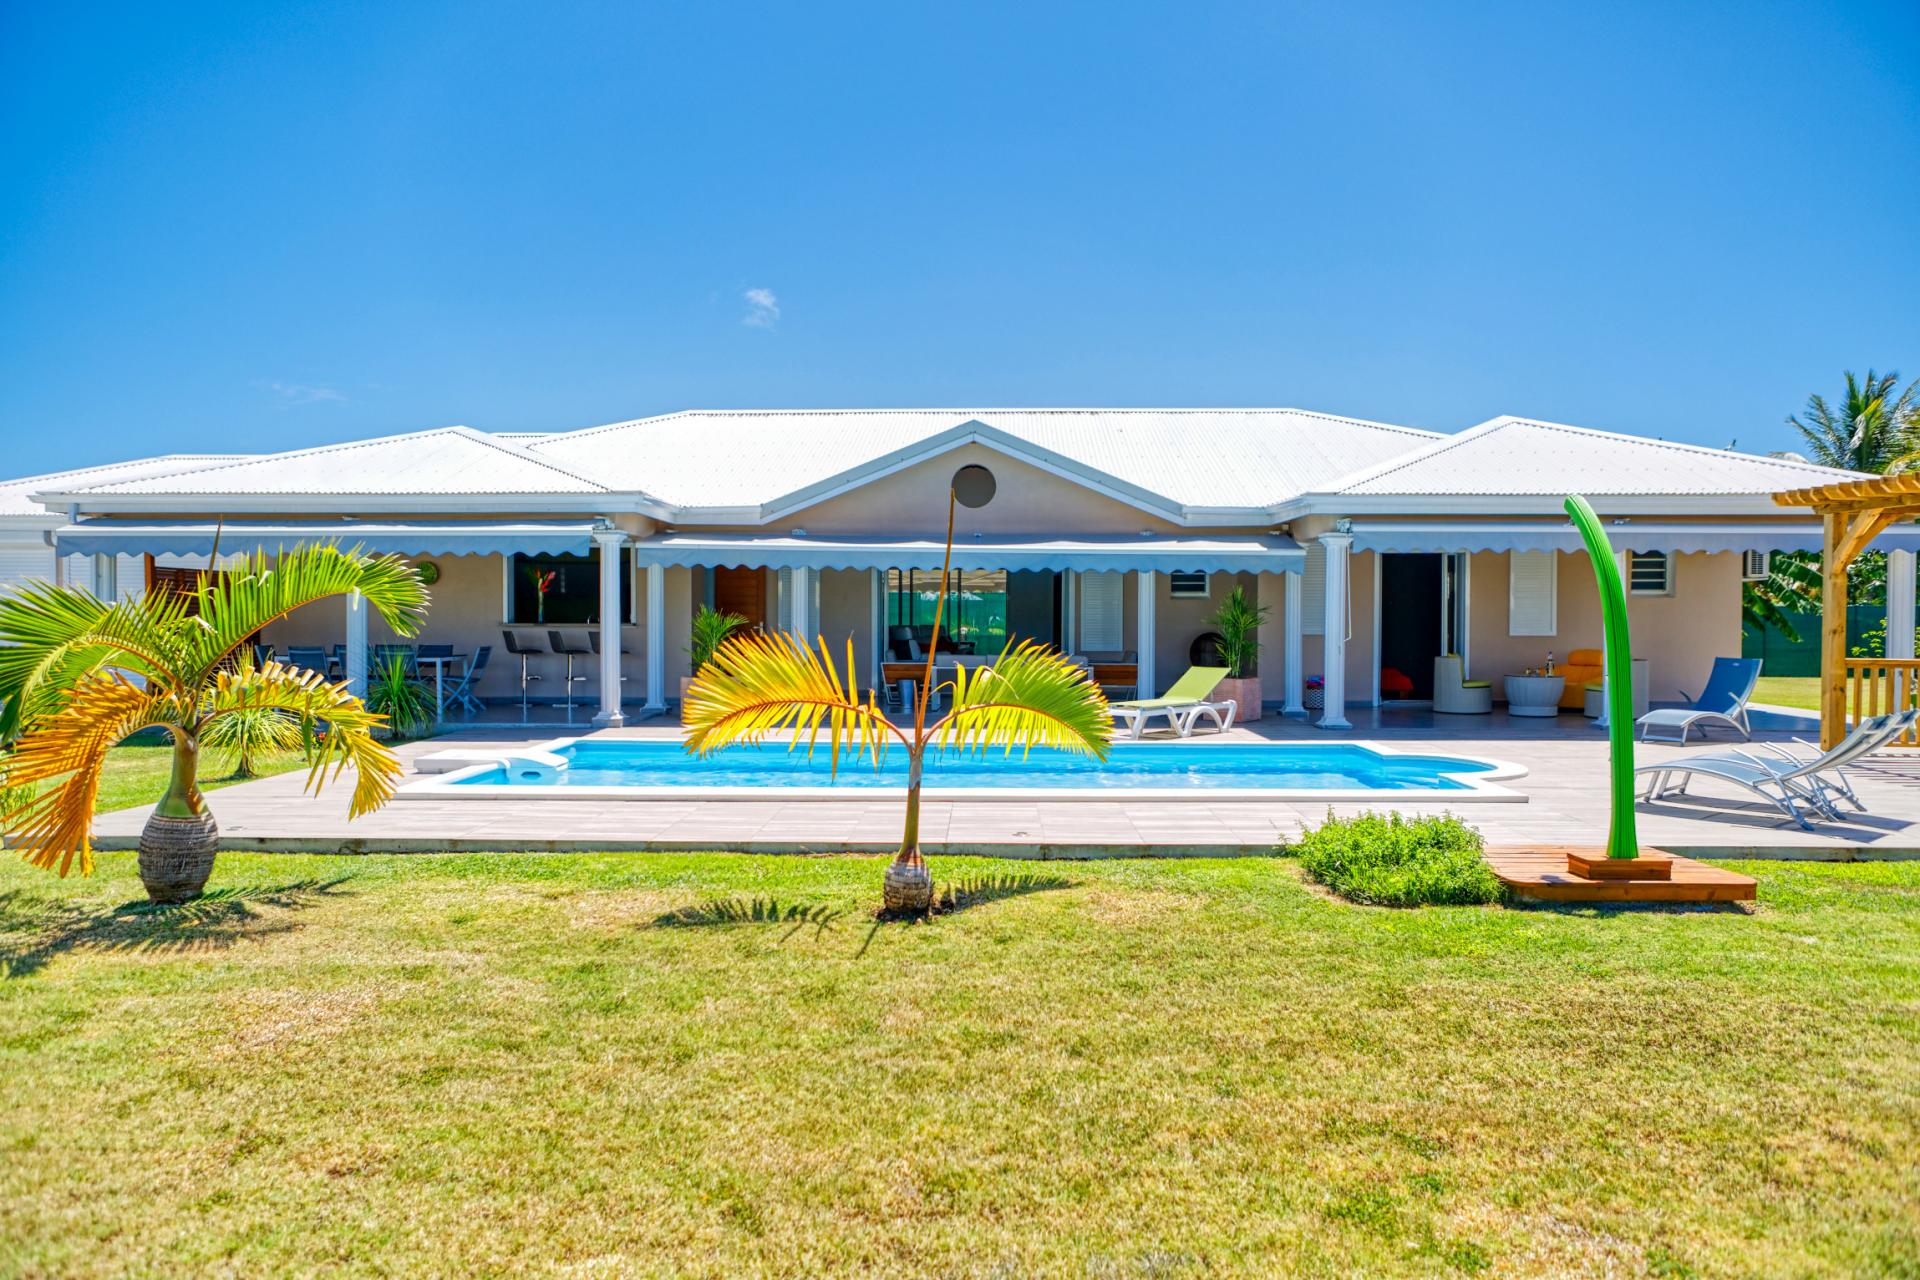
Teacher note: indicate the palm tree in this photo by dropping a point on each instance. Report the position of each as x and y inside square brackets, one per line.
[1031, 696]
[79, 675]
[1872, 429]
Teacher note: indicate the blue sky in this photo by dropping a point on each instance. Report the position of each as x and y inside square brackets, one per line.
[256, 227]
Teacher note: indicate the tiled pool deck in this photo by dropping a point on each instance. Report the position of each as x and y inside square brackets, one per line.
[1566, 789]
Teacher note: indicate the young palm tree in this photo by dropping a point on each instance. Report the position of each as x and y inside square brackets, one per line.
[1031, 696]
[80, 675]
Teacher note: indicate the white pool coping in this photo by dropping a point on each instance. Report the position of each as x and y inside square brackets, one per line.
[1476, 787]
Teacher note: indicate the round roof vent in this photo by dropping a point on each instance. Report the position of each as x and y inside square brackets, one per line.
[973, 486]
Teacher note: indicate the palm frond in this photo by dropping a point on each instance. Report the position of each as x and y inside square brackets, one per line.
[307, 696]
[52, 637]
[755, 685]
[235, 604]
[1030, 697]
[53, 827]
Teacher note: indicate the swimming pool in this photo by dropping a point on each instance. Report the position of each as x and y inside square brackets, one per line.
[630, 769]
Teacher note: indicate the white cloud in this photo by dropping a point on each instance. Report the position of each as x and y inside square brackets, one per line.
[305, 393]
[763, 309]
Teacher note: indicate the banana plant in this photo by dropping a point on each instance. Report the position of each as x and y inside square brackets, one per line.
[755, 685]
[79, 675]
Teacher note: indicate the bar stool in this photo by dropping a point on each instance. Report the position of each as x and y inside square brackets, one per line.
[569, 649]
[522, 652]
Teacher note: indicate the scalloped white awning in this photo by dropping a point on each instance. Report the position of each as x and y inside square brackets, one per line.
[412, 538]
[1627, 535]
[1225, 553]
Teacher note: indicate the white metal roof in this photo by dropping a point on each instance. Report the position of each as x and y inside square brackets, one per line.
[444, 461]
[1201, 467]
[1194, 458]
[1519, 456]
[15, 499]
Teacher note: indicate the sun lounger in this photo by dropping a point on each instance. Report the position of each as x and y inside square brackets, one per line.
[1181, 706]
[1724, 700]
[1793, 784]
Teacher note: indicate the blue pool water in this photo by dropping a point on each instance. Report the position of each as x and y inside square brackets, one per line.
[1161, 766]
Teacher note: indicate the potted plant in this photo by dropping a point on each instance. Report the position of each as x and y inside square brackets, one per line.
[710, 628]
[1238, 621]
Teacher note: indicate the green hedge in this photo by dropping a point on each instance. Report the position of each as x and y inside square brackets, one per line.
[1390, 861]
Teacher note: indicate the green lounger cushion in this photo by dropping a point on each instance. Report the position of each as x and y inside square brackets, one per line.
[1476, 684]
[1197, 685]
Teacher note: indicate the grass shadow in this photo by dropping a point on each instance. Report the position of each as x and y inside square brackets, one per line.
[732, 911]
[33, 930]
[962, 894]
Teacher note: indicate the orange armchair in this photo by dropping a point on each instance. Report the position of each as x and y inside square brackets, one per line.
[1581, 667]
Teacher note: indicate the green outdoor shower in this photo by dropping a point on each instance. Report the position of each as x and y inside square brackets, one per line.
[1623, 840]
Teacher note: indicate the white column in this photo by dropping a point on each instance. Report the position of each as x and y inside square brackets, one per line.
[106, 578]
[799, 619]
[1900, 593]
[356, 644]
[1293, 656]
[1069, 611]
[613, 550]
[656, 640]
[1144, 610]
[1334, 668]
[877, 619]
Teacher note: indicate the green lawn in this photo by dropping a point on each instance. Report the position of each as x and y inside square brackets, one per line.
[1789, 691]
[577, 1066]
[137, 773]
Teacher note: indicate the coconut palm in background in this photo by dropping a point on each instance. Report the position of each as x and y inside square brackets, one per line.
[1874, 428]
[1031, 696]
[79, 675]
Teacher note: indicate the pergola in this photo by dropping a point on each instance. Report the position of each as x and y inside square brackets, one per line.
[1852, 514]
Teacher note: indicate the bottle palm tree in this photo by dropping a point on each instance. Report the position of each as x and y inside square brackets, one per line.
[79, 675]
[1031, 696]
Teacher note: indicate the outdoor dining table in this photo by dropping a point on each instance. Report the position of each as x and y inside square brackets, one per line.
[440, 663]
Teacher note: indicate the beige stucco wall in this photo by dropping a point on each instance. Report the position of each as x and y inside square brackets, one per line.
[1679, 634]
[846, 613]
[1026, 500]
[1179, 622]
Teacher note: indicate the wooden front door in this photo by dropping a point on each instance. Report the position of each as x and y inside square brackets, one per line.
[742, 591]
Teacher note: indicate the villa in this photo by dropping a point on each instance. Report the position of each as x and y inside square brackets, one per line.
[1113, 533]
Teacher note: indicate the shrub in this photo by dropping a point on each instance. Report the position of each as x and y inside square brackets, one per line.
[1391, 861]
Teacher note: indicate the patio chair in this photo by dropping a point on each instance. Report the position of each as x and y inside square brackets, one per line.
[262, 654]
[522, 652]
[383, 656]
[434, 650]
[464, 693]
[1725, 700]
[1793, 784]
[1181, 705]
[1454, 694]
[307, 658]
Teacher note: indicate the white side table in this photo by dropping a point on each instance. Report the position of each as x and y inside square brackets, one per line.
[1534, 695]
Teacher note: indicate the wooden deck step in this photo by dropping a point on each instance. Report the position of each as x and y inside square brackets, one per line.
[1541, 872]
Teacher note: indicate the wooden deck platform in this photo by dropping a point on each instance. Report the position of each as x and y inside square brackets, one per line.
[1541, 872]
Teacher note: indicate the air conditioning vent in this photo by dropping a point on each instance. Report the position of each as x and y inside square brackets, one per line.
[1755, 565]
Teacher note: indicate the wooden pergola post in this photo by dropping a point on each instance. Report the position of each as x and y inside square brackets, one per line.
[1852, 514]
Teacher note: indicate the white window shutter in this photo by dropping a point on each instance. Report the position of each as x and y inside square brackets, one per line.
[1102, 624]
[1313, 592]
[1531, 593]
